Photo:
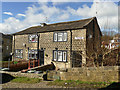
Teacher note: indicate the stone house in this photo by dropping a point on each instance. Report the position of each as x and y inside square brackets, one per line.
[66, 44]
[5, 46]
[112, 44]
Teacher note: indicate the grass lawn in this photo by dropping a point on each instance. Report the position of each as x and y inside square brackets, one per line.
[80, 84]
[26, 80]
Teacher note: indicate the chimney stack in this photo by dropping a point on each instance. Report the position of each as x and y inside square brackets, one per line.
[43, 24]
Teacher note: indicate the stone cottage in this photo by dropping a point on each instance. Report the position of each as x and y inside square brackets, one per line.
[5, 46]
[66, 44]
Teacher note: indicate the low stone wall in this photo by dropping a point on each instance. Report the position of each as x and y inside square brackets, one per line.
[91, 74]
[19, 74]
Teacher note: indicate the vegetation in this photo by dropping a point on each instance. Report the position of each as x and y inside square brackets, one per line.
[80, 84]
[106, 38]
[15, 62]
[26, 80]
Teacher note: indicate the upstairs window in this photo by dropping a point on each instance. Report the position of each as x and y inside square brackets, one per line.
[18, 53]
[33, 38]
[59, 55]
[32, 54]
[60, 37]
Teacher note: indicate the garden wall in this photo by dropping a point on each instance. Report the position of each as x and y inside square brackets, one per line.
[19, 74]
[91, 74]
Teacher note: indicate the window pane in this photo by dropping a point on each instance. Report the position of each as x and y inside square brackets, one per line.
[35, 54]
[32, 54]
[60, 36]
[18, 53]
[55, 36]
[64, 56]
[65, 37]
[33, 38]
[29, 56]
[59, 55]
[55, 55]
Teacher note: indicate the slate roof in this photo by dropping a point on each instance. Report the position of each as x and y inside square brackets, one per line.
[71, 25]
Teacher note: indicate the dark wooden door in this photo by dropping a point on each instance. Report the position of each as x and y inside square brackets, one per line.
[41, 57]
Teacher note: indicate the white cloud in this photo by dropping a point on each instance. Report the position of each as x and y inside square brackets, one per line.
[63, 17]
[35, 15]
[107, 13]
[21, 15]
[8, 13]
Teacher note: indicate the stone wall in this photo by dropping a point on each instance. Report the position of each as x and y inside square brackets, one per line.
[79, 45]
[19, 74]
[6, 46]
[90, 74]
[48, 45]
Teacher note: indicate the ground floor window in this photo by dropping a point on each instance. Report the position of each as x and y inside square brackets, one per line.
[19, 53]
[59, 55]
[32, 54]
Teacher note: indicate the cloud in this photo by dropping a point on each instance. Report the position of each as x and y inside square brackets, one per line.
[21, 15]
[34, 15]
[8, 13]
[107, 13]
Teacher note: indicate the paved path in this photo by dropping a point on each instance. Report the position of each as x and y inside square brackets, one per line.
[42, 84]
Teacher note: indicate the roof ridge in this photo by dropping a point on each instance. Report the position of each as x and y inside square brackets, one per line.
[89, 21]
[72, 21]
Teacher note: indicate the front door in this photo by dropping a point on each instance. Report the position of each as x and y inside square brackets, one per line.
[41, 57]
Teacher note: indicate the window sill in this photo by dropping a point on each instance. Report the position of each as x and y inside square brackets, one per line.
[32, 42]
[18, 57]
[60, 61]
[59, 41]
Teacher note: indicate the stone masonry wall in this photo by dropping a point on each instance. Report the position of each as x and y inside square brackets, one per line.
[20, 40]
[6, 46]
[46, 42]
[19, 74]
[79, 44]
[90, 74]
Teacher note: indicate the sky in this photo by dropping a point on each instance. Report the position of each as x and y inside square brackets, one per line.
[17, 16]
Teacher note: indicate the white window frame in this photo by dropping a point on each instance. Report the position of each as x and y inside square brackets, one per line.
[65, 36]
[60, 37]
[60, 55]
[62, 59]
[64, 56]
[18, 53]
[33, 36]
[32, 51]
[55, 55]
[55, 37]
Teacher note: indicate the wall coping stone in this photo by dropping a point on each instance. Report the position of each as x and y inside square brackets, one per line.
[94, 68]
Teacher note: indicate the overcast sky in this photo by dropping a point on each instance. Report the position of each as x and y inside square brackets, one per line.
[17, 16]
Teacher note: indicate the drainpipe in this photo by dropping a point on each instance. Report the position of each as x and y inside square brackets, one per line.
[71, 62]
[14, 48]
[93, 35]
[38, 46]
